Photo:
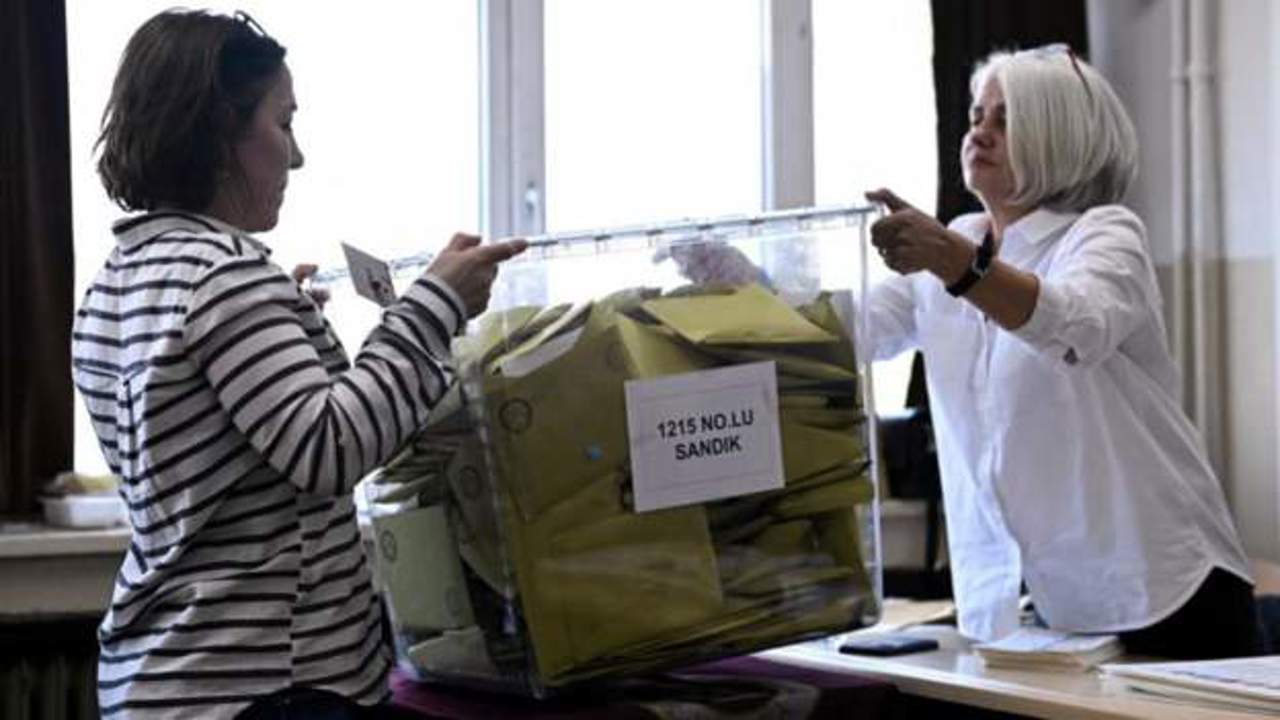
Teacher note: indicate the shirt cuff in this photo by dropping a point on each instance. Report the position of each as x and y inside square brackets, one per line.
[433, 294]
[454, 298]
[1043, 329]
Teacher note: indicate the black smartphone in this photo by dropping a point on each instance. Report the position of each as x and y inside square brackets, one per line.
[887, 644]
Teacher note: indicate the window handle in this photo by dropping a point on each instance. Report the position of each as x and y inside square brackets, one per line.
[532, 206]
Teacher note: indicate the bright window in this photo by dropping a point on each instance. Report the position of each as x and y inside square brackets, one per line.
[652, 110]
[874, 120]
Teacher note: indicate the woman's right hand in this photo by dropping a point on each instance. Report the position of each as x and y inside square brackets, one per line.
[910, 240]
[470, 268]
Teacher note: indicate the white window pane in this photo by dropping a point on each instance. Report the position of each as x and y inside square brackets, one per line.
[388, 121]
[874, 116]
[652, 110]
[874, 119]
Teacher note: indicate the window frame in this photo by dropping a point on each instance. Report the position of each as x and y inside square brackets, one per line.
[787, 80]
[513, 117]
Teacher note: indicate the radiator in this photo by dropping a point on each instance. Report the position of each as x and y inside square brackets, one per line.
[48, 671]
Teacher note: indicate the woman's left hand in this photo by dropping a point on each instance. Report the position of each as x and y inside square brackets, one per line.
[301, 274]
[910, 240]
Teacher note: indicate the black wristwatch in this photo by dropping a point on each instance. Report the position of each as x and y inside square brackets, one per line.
[977, 269]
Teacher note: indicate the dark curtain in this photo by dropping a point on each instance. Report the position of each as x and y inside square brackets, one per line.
[964, 32]
[36, 268]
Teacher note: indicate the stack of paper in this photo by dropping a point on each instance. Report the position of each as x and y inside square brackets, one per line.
[1039, 648]
[1249, 683]
[901, 613]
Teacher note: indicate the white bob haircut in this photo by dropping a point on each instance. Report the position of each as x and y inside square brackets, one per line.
[1071, 144]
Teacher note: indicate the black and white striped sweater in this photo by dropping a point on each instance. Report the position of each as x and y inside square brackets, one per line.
[230, 410]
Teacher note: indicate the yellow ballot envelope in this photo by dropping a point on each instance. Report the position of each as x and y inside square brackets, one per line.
[747, 314]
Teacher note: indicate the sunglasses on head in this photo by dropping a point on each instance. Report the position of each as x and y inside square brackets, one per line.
[1065, 49]
[247, 20]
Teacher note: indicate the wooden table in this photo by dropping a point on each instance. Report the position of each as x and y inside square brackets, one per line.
[955, 674]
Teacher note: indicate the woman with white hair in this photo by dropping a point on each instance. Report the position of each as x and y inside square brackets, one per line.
[1067, 462]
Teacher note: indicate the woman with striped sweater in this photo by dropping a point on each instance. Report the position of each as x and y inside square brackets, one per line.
[226, 404]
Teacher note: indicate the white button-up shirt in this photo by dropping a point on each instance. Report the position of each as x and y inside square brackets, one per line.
[1066, 458]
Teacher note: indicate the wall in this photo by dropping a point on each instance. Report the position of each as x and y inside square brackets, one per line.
[1274, 63]
[1130, 43]
[1249, 86]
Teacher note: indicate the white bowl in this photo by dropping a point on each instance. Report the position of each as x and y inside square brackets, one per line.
[84, 511]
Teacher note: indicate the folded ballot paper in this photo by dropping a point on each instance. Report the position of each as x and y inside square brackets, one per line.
[524, 542]
[1031, 648]
[1251, 683]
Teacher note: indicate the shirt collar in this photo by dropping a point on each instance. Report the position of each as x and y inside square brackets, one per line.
[139, 228]
[1039, 224]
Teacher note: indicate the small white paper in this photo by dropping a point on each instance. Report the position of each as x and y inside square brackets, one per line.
[370, 276]
[1042, 640]
[704, 435]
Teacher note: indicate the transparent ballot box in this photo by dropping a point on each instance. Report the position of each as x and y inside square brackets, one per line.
[657, 453]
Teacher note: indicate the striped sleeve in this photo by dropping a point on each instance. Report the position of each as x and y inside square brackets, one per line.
[322, 432]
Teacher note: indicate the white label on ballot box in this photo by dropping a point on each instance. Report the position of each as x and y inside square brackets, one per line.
[704, 435]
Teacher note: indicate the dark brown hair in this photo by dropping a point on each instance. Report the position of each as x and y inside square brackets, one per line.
[186, 89]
